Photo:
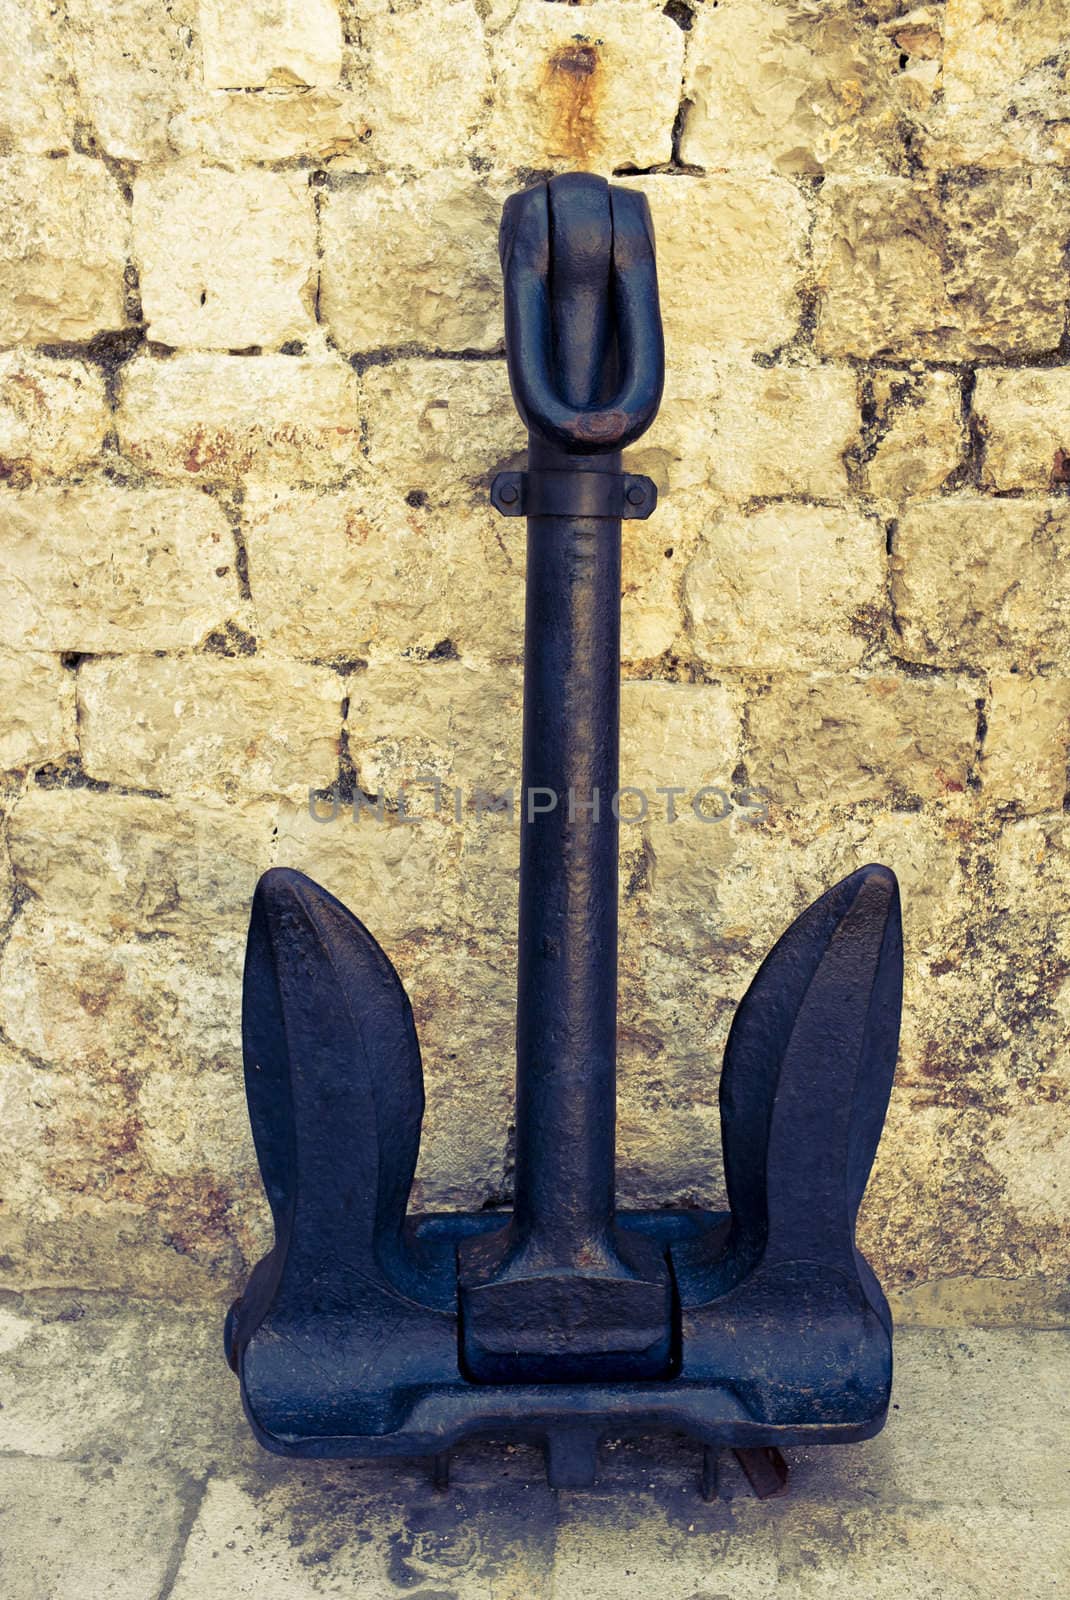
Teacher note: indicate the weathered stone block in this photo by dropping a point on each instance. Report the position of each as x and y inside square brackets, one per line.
[36, 88]
[411, 261]
[402, 878]
[426, 81]
[801, 89]
[206, 417]
[1025, 421]
[705, 900]
[950, 271]
[70, 992]
[270, 43]
[124, 863]
[63, 250]
[982, 582]
[1002, 86]
[275, 125]
[206, 727]
[53, 415]
[456, 720]
[735, 427]
[202, 236]
[123, 1156]
[590, 91]
[833, 741]
[786, 586]
[385, 578]
[134, 61]
[440, 429]
[1024, 760]
[104, 568]
[684, 735]
[918, 433]
[654, 555]
[730, 260]
[37, 710]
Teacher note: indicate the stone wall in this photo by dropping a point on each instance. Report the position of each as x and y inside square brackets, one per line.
[252, 395]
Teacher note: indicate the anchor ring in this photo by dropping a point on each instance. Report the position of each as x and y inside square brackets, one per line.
[581, 302]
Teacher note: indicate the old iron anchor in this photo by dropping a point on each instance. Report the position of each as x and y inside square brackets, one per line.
[367, 1332]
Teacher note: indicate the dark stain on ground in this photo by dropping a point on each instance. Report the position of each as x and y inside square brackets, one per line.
[573, 84]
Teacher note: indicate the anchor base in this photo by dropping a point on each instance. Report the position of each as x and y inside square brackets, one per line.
[431, 1415]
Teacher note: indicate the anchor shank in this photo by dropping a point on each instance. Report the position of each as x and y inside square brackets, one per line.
[562, 1293]
[567, 959]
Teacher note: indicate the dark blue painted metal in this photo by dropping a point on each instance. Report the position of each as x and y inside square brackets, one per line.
[367, 1333]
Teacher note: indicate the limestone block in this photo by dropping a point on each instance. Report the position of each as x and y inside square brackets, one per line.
[654, 556]
[918, 433]
[134, 61]
[588, 91]
[1025, 752]
[401, 878]
[384, 578]
[206, 727]
[123, 1020]
[204, 236]
[441, 429]
[72, 995]
[201, 417]
[63, 250]
[53, 415]
[683, 447]
[105, 568]
[231, 125]
[437, 894]
[835, 740]
[425, 83]
[1032, 882]
[411, 261]
[681, 735]
[798, 88]
[1025, 421]
[786, 586]
[265, 43]
[37, 710]
[763, 874]
[730, 260]
[949, 272]
[982, 582]
[457, 720]
[1004, 89]
[737, 429]
[36, 89]
[123, 863]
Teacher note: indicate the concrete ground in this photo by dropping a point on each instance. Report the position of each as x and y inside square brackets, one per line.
[127, 1470]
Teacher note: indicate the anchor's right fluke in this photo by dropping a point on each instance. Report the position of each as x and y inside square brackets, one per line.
[779, 1300]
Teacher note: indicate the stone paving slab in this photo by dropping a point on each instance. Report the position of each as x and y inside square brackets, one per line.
[77, 1530]
[127, 1470]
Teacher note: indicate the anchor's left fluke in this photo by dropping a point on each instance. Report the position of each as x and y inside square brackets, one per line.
[335, 1091]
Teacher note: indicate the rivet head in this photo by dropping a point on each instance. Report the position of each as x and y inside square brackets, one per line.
[509, 494]
[636, 494]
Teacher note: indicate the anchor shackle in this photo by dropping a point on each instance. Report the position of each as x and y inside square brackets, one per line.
[583, 333]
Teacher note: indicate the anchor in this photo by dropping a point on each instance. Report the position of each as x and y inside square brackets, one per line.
[369, 1332]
